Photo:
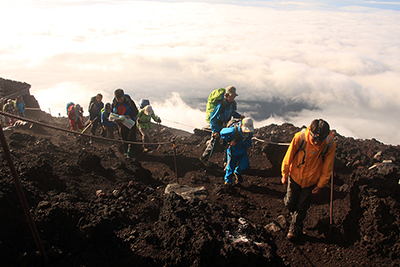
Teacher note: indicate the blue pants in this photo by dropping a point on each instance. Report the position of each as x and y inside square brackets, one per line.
[236, 164]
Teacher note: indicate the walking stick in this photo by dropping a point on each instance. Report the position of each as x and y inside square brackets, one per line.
[87, 127]
[22, 197]
[331, 208]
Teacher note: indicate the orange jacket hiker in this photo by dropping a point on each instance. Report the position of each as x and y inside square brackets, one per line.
[315, 169]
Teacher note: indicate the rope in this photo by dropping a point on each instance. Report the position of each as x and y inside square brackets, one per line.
[79, 133]
[254, 138]
[274, 143]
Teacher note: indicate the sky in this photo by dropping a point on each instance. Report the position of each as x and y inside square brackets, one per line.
[291, 61]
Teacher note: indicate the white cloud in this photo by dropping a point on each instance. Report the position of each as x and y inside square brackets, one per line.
[344, 62]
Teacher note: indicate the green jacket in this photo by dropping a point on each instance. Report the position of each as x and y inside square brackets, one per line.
[143, 120]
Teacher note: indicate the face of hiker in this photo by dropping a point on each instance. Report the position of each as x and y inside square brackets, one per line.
[120, 100]
[99, 98]
[230, 98]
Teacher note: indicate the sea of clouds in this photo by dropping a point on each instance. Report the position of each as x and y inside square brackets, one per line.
[289, 63]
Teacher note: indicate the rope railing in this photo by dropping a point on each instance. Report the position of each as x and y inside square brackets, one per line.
[79, 133]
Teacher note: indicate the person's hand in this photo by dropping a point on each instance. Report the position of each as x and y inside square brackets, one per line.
[127, 116]
[233, 143]
[284, 181]
[317, 190]
[216, 134]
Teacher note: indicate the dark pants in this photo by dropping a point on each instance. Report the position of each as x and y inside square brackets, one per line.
[95, 125]
[298, 200]
[109, 132]
[212, 144]
[128, 135]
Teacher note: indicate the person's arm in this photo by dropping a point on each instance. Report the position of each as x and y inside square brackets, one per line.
[287, 160]
[215, 119]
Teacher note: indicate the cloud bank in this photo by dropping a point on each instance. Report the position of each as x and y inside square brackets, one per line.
[339, 63]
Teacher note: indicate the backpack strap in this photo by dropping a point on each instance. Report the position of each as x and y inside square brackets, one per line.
[327, 147]
[302, 143]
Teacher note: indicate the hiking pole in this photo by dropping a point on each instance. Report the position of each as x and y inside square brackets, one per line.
[22, 197]
[87, 127]
[176, 168]
[331, 208]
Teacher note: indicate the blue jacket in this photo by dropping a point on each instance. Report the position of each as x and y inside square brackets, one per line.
[104, 118]
[242, 141]
[221, 114]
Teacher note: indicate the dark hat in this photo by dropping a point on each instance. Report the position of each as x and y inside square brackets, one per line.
[319, 129]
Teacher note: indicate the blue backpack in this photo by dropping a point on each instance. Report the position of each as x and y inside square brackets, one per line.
[143, 103]
[68, 105]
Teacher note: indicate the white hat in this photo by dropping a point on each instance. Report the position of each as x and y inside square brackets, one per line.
[247, 125]
[148, 110]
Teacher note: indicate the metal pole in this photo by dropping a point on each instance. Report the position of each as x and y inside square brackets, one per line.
[22, 197]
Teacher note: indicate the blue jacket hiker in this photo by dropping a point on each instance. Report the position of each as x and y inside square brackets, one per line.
[108, 126]
[240, 139]
[123, 105]
[20, 106]
[220, 116]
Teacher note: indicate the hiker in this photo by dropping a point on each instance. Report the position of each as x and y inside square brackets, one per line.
[239, 138]
[306, 169]
[95, 108]
[75, 116]
[10, 109]
[124, 105]
[222, 113]
[19, 105]
[107, 125]
[3, 101]
[143, 121]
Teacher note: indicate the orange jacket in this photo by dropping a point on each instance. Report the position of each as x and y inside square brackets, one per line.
[314, 170]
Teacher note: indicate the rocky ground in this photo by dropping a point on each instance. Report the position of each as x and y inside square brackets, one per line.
[132, 222]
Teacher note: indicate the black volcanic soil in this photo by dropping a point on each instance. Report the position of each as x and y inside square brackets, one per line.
[132, 222]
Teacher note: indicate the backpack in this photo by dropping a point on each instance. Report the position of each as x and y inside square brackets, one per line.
[68, 105]
[213, 99]
[93, 107]
[143, 103]
[302, 144]
[234, 122]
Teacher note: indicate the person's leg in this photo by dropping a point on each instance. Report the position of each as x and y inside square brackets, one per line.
[243, 165]
[205, 157]
[303, 204]
[124, 136]
[230, 167]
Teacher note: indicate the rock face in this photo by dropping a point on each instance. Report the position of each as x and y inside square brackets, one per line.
[93, 207]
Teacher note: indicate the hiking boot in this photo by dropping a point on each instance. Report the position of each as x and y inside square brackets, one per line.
[294, 232]
[204, 161]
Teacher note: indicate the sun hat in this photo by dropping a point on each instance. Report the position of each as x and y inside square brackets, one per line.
[247, 125]
[230, 90]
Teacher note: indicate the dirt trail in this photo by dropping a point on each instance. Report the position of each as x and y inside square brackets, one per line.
[131, 222]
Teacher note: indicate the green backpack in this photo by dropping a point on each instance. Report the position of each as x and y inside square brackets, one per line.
[216, 96]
